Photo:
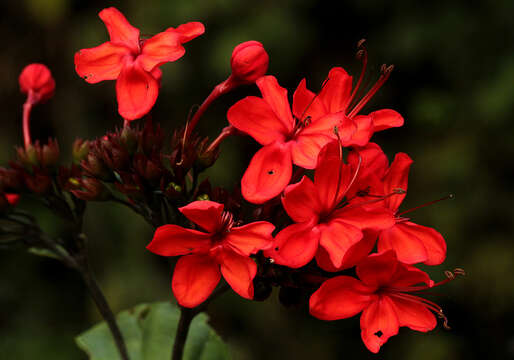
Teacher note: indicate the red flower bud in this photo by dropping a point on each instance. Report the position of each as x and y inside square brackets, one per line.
[37, 82]
[249, 62]
[12, 199]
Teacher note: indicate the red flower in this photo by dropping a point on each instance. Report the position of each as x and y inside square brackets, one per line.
[37, 82]
[133, 62]
[324, 226]
[287, 138]
[336, 96]
[221, 249]
[412, 243]
[382, 294]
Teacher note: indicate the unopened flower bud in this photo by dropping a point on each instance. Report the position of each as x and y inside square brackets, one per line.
[39, 182]
[249, 62]
[80, 149]
[10, 179]
[37, 82]
[93, 165]
[48, 154]
[128, 139]
[90, 189]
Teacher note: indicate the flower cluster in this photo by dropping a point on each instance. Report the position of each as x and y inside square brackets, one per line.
[306, 235]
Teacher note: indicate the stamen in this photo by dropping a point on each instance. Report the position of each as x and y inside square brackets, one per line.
[314, 98]
[450, 196]
[362, 54]
[340, 170]
[379, 198]
[386, 71]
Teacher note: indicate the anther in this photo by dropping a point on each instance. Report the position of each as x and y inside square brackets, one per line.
[360, 43]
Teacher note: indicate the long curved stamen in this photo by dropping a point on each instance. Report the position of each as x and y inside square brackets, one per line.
[314, 98]
[340, 169]
[386, 71]
[450, 196]
[362, 54]
[379, 198]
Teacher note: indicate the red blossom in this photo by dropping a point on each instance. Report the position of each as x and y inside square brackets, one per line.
[412, 243]
[325, 227]
[287, 137]
[220, 249]
[133, 62]
[336, 97]
[382, 295]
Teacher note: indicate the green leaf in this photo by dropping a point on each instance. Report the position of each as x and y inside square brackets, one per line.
[149, 332]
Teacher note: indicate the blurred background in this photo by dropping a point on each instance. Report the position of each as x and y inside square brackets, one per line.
[453, 82]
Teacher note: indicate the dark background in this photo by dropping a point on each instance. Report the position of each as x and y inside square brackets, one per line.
[453, 82]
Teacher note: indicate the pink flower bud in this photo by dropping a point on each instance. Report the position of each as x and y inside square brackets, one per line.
[249, 61]
[37, 81]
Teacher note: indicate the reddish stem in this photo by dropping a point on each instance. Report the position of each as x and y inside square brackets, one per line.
[226, 132]
[220, 89]
[26, 122]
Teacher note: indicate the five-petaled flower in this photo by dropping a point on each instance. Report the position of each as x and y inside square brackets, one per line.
[287, 137]
[325, 227]
[221, 249]
[382, 294]
[133, 62]
[412, 243]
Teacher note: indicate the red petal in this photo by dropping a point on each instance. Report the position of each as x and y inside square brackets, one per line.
[312, 139]
[159, 49]
[173, 240]
[189, 31]
[337, 90]
[268, 174]
[414, 315]
[255, 117]
[306, 103]
[239, 272]
[414, 243]
[377, 269]
[407, 275]
[250, 238]
[336, 237]
[363, 132]
[339, 298]
[353, 255]
[136, 90]
[331, 168]
[295, 245]
[120, 30]
[372, 219]
[194, 279]
[385, 119]
[396, 178]
[378, 323]
[373, 161]
[206, 214]
[12, 199]
[301, 202]
[100, 63]
[276, 97]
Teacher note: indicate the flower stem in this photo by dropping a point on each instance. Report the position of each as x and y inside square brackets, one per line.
[26, 123]
[104, 309]
[186, 317]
